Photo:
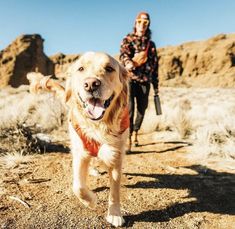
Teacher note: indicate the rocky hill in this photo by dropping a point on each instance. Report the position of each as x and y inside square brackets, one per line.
[62, 62]
[23, 55]
[206, 63]
[202, 63]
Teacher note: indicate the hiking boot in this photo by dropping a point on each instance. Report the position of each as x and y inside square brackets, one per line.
[129, 144]
[136, 143]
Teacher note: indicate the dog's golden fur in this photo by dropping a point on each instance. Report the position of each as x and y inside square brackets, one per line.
[96, 94]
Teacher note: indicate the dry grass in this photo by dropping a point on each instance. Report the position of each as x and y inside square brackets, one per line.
[13, 160]
[183, 121]
[19, 106]
[24, 120]
[203, 117]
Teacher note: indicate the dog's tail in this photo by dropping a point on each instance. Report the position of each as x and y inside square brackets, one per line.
[44, 83]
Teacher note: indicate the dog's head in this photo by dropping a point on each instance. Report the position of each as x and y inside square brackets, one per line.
[96, 81]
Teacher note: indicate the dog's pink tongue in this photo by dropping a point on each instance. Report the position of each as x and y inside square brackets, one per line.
[95, 109]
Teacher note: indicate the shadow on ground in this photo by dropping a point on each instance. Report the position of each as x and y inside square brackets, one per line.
[49, 147]
[177, 145]
[213, 192]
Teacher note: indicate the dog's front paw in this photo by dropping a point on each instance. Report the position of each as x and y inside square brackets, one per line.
[114, 215]
[115, 220]
[87, 197]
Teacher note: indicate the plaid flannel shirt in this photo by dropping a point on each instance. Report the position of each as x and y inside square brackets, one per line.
[147, 72]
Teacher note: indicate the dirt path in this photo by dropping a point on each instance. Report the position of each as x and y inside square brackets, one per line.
[160, 189]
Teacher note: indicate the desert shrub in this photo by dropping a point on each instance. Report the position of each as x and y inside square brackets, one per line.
[202, 116]
[20, 138]
[24, 116]
[43, 110]
[183, 122]
[214, 132]
[213, 141]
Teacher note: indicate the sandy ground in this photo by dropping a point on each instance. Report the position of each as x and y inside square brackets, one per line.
[161, 188]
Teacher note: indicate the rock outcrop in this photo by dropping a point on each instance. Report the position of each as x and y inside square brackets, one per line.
[202, 63]
[61, 63]
[24, 55]
[206, 63]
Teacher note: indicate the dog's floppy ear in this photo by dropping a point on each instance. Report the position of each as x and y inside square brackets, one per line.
[68, 89]
[123, 73]
[69, 73]
[68, 86]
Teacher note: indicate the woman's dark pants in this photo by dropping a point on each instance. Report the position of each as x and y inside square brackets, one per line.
[138, 95]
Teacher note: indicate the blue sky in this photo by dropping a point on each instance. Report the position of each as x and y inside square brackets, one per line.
[75, 26]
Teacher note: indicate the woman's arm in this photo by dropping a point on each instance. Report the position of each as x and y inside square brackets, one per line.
[126, 53]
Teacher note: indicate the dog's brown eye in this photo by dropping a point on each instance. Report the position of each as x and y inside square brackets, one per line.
[81, 69]
[109, 69]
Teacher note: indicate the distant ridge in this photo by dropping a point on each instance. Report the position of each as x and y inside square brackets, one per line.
[201, 63]
[209, 63]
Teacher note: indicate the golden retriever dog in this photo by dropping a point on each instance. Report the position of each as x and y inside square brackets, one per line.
[96, 94]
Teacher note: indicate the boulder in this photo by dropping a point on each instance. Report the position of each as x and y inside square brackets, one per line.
[23, 55]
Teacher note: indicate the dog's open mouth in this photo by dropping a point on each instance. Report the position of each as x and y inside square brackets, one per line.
[95, 107]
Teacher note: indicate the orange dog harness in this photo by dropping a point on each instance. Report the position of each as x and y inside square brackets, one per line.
[92, 145]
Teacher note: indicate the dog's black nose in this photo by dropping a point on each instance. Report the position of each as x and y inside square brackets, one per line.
[91, 84]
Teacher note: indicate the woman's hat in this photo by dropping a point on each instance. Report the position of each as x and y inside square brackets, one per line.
[139, 16]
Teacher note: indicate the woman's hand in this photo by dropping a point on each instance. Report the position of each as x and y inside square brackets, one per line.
[156, 91]
[129, 66]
